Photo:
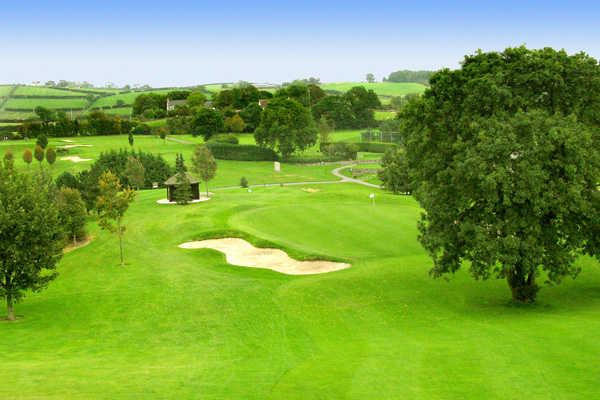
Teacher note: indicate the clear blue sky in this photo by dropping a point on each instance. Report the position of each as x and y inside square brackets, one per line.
[189, 42]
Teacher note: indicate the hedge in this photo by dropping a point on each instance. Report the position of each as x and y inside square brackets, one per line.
[375, 147]
[241, 152]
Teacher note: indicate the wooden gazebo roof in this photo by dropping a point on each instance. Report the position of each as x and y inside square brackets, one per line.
[172, 181]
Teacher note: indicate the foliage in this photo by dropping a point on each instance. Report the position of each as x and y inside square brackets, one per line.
[341, 150]
[134, 171]
[370, 78]
[30, 234]
[251, 115]
[50, 155]
[286, 126]
[324, 128]
[38, 153]
[196, 99]
[307, 95]
[112, 204]
[142, 129]
[179, 125]
[243, 182]
[337, 110]
[149, 102]
[72, 213]
[409, 76]
[204, 164]
[241, 152]
[362, 103]
[130, 139]
[235, 124]
[206, 123]
[180, 163]
[9, 159]
[237, 98]
[394, 171]
[42, 141]
[183, 191]
[67, 180]
[503, 154]
[224, 138]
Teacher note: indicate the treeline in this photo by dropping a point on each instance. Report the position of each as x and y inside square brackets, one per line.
[409, 76]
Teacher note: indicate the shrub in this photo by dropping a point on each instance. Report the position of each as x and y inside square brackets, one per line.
[224, 138]
[375, 147]
[342, 150]
[244, 182]
[241, 152]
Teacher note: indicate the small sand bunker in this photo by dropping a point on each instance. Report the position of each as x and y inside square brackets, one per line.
[310, 190]
[201, 199]
[66, 140]
[72, 146]
[240, 252]
[75, 159]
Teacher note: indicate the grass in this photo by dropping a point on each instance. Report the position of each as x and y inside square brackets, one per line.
[385, 115]
[184, 324]
[5, 90]
[381, 88]
[127, 98]
[122, 111]
[77, 103]
[45, 91]
[16, 115]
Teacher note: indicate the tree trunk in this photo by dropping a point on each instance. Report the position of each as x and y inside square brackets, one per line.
[206, 183]
[74, 239]
[10, 309]
[121, 242]
[522, 285]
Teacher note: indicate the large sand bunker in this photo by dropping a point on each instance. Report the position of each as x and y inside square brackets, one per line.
[240, 252]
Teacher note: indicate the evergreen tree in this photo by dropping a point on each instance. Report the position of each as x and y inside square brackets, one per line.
[183, 189]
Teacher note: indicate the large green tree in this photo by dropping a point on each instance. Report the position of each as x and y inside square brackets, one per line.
[31, 236]
[504, 159]
[286, 126]
[207, 123]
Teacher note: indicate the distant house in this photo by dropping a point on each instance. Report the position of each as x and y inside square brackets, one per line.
[171, 104]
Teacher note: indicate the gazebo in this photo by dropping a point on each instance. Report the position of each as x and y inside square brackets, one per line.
[172, 184]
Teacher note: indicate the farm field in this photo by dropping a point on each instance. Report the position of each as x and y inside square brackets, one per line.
[177, 323]
[76, 103]
[45, 91]
[5, 90]
[127, 98]
[386, 89]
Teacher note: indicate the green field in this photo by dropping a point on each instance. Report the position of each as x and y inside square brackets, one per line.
[127, 98]
[77, 103]
[385, 115]
[5, 90]
[386, 89]
[45, 92]
[179, 323]
[122, 111]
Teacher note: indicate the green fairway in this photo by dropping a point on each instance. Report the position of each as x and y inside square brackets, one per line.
[381, 88]
[179, 323]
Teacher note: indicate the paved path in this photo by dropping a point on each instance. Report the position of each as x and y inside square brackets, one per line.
[336, 172]
[181, 141]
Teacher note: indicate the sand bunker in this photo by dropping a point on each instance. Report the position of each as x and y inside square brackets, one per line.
[240, 252]
[75, 159]
[72, 146]
[310, 190]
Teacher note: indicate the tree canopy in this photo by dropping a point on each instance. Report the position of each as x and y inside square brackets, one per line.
[286, 126]
[503, 157]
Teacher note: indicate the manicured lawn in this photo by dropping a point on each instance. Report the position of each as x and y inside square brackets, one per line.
[181, 324]
[381, 88]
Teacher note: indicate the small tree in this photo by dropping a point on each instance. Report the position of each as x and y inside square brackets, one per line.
[394, 171]
[235, 124]
[72, 213]
[244, 182]
[204, 165]
[135, 173]
[325, 129]
[50, 156]
[42, 141]
[183, 190]
[180, 163]
[370, 78]
[9, 159]
[130, 139]
[38, 153]
[27, 157]
[28, 213]
[112, 204]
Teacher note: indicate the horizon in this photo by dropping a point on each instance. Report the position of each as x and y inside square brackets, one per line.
[188, 44]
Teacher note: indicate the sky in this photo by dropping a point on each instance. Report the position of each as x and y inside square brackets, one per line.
[181, 43]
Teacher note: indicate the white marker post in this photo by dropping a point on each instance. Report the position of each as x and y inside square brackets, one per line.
[277, 166]
[372, 197]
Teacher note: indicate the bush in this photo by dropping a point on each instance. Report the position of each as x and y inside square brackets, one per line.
[224, 138]
[375, 147]
[241, 152]
[244, 182]
[342, 150]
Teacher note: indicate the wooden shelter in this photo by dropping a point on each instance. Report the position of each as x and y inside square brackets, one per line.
[172, 184]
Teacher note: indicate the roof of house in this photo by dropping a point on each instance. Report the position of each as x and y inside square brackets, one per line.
[173, 180]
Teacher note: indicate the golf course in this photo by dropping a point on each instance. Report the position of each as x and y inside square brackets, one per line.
[183, 323]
